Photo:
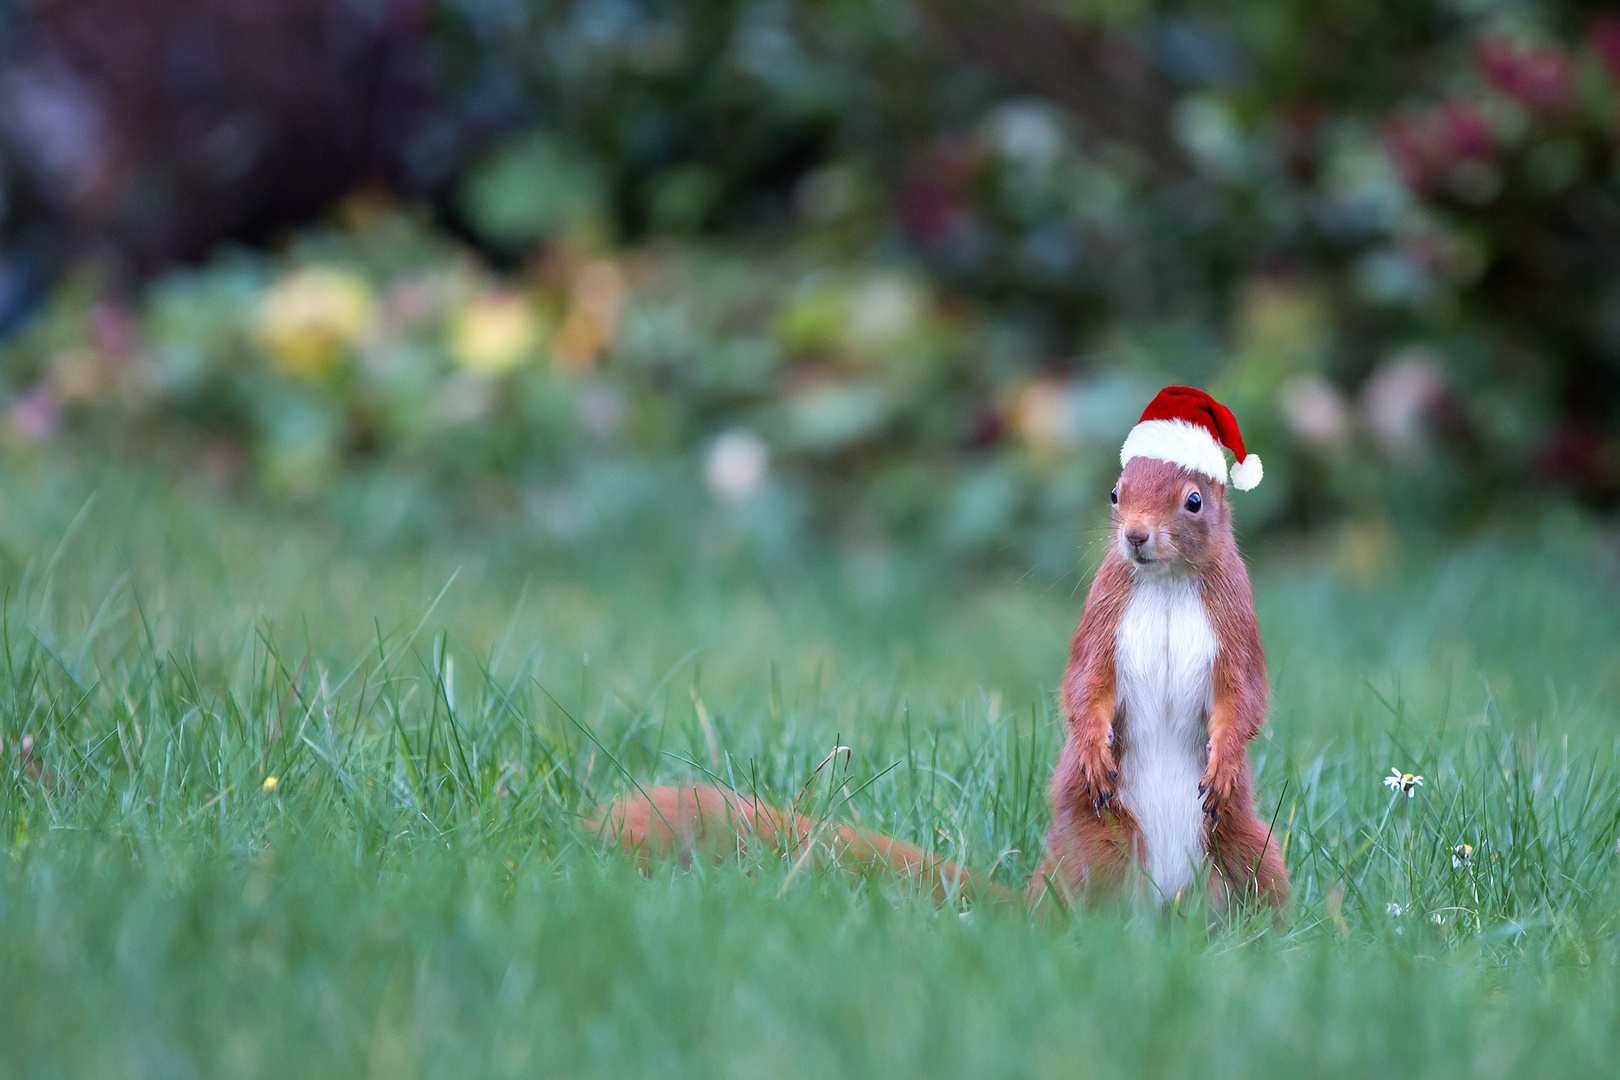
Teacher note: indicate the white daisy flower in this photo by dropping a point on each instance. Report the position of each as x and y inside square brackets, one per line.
[1460, 855]
[1403, 782]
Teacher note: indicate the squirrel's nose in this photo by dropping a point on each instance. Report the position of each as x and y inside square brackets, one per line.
[1136, 537]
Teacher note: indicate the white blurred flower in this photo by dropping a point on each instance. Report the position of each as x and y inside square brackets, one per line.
[601, 410]
[1405, 783]
[737, 465]
[1394, 909]
[414, 298]
[884, 309]
[1460, 855]
[1396, 400]
[462, 399]
[1027, 133]
[1209, 131]
[825, 194]
[1315, 411]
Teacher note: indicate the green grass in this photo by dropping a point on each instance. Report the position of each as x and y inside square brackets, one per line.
[416, 897]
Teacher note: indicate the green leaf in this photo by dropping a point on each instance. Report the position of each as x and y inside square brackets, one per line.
[533, 188]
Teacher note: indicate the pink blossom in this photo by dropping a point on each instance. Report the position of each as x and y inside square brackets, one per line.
[1538, 77]
[931, 211]
[1426, 145]
[1465, 132]
[35, 415]
[1605, 40]
[116, 328]
[933, 205]
[1407, 145]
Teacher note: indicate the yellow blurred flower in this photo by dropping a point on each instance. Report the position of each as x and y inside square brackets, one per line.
[875, 319]
[80, 374]
[270, 784]
[1282, 324]
[1365, 547]
[311, 318]
[495, 334]
[814, 317]
[1042, 413]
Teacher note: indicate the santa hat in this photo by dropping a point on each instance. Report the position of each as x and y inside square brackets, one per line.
[1187, 427]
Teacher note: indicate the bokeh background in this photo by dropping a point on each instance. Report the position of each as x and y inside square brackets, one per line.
[777, 273]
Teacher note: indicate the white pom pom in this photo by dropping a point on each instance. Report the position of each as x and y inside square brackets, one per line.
[1247, 473]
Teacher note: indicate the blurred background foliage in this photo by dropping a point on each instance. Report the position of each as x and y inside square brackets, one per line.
[820, 269]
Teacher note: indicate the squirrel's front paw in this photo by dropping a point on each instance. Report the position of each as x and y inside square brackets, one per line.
[1220, 779]
[1100, 774]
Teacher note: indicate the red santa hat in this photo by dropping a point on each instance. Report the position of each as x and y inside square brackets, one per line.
[1187, 427]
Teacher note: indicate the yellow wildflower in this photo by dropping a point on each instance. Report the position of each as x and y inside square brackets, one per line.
[495, 334]
[311, 318]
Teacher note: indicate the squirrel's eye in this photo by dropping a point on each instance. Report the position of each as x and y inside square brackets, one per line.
[1194, 503]
[1113, 496]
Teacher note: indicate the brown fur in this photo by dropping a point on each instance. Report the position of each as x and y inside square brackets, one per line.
[685, 820]
[1091, 846]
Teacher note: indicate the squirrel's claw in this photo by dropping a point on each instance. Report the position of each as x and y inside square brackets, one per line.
[1218, 783]
[1102, 799]
[1101, 777]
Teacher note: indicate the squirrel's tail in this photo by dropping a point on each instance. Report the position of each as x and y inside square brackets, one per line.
[659, 822]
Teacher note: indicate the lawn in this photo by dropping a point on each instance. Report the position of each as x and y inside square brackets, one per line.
[414, 895]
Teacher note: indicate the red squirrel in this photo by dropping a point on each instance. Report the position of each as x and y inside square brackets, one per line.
[1165, 686]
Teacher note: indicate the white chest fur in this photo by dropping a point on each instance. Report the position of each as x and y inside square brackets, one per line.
[1164, 662]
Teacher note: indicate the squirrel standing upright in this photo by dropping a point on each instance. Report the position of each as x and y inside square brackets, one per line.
[1166, 682]
[1165, 686]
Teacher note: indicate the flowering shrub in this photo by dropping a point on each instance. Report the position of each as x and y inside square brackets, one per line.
[899, 269]
[839, 396]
